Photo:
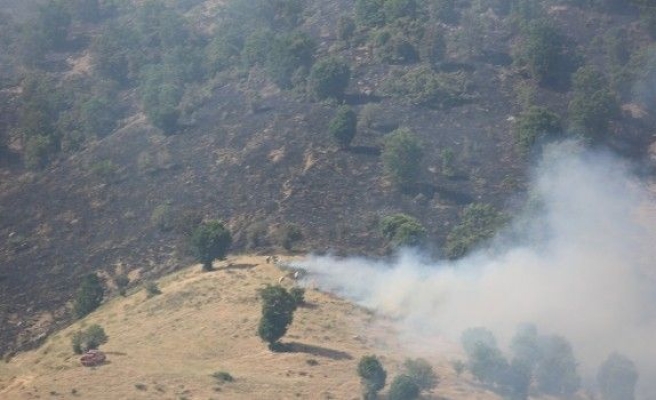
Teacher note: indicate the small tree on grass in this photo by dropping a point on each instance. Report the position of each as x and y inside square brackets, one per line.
[403, 387]
[343, 126]
[210, 241]
[88, 339]
[372, 376]
[89, 295]
[278, 307]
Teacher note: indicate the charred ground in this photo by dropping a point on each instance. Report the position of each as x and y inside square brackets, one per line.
[124, 202]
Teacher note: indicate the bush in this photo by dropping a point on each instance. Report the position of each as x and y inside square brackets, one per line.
[152, 289]
[289, 56]
[121, 281]
[549, 56]
[89, 295]
[209, 241]
[403, 387]
[222, 377]
[278, 308]
[617, 378]
[288, 234]
[369, 13]
[298, 294]
[345, 28]
[421, 372]
[402, 157]
[535, 124]
[402, 230]
[329, 78]
[372, 376]
[422, 86]
[478, 222]
[89, 339]
[343, 126]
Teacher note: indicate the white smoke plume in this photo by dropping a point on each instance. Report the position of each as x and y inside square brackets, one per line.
[582, 264]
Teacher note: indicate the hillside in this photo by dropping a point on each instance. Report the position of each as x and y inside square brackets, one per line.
[169, 345]
[125, 124]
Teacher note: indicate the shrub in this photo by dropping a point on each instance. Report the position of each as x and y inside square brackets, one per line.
[298, 294]
[162, 218]
[402, 157]
[152, 289]
[329, 78]
[89, 295]
[421, 372]
[372, 376]
[345, 28]
[278, 308]
[289, 234]
[402, 230]
[290, 55]
[343, 126]
[91, 338]
[209, 241]
[423, 87]
[593, 104]
[549, 56]
[617, 378]
[403, 387]
[478, 222]
[222, 377]
[369, 13]
[535, 124]
[121, 281]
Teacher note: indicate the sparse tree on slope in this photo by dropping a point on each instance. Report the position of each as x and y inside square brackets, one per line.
[278, 307]
[210, 240]
[372, 376]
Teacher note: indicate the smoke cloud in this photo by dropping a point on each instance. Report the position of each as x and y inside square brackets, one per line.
[578, 263]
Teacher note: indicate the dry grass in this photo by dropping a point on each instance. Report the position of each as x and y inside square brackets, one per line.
[168, 346]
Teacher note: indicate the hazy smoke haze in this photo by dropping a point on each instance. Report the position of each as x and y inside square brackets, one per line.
[579, 262]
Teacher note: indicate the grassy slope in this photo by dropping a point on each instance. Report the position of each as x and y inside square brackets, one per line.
[204, 323]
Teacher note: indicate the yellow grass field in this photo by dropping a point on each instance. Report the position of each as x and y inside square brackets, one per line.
[168, 346]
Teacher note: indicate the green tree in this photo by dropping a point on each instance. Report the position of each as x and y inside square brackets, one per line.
[278, 307]
[402, 230]
[369, 13]
[593, 104]
[421, 373]
[478, 222]
[372, 376]
[329, 78]
[535, 124]
[402, 157]
[290, 55]
[89, 295]
[549, 56]
[556, 371]
[617, 378]
[343, 126]
[88, 339]
[403, 387]
[210, 240]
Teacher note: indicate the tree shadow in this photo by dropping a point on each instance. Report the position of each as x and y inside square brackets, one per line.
[318, 351]
[236, 267]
